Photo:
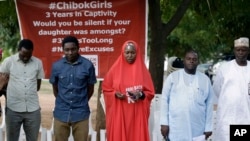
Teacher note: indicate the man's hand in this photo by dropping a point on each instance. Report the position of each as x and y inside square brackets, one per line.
[207, 134]
[0, 109]
[164, 130]
[4, 78]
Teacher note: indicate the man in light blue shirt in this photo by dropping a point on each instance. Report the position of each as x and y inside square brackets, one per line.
[187, 102]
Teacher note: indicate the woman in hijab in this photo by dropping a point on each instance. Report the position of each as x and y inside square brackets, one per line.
[128, 90]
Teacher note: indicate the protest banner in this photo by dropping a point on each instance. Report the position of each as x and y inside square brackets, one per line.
[100, 26]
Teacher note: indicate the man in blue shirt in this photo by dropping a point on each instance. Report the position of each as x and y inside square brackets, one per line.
[73, 78]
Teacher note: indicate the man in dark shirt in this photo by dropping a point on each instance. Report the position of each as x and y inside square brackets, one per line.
[73, 78]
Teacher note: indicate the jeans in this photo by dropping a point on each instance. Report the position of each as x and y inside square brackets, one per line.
[31, 124]
[79, 129]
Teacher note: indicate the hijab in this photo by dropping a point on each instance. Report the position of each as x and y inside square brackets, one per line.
[123, 75]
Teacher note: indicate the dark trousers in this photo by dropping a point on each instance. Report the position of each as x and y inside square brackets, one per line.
[31, 124]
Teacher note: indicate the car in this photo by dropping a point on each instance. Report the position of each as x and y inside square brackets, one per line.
[206, 68]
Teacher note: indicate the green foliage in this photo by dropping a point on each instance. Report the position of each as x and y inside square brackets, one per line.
[168, 7]
[9, 30]
[192, 32]
[209, 26]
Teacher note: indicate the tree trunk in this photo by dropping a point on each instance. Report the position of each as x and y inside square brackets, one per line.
[156, 62]
[159, 33]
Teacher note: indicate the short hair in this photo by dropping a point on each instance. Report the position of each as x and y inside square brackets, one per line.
[191, 51]
[25, 43]
[70, 39]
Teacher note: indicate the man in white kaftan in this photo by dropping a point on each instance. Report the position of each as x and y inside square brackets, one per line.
[187, 103]
[231, 86]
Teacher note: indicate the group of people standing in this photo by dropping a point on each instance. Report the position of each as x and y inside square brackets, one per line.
[127, 87]
[72, 78]
[187, 101]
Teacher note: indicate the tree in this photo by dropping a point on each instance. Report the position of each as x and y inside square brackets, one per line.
[159, 32]
[209, 26]
[9, 29]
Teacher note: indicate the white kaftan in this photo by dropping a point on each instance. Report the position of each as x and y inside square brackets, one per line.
[186, 108]
[231, 87]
